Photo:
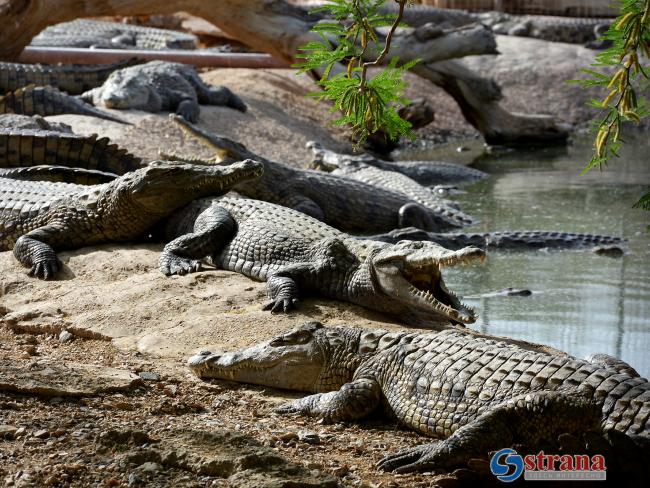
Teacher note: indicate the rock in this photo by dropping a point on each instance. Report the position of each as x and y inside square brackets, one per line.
[7, 432]
[30, 349]
[134, 480]
[288, 436]
[41, 434]
[148, 376]
[308, 437]
[149, 468]
[63, 379]
[170, 390]
[65, 336]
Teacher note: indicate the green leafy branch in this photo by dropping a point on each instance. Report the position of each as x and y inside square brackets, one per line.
[630, 36]
[368, 104]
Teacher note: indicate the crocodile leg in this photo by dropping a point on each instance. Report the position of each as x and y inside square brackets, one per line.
[353, 401]
[33, 251]
[535, 417]
[282, 288]
[415, 215]
[212, 230]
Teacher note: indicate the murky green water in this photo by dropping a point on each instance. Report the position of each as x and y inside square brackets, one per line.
[581, 302]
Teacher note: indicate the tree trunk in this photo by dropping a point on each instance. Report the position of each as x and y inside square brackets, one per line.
[278, 28]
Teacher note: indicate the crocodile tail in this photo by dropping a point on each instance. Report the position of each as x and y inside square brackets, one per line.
[48, 100]
[73, 79]
[28, 148]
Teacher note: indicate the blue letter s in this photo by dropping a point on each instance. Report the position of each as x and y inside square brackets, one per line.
[511, 459]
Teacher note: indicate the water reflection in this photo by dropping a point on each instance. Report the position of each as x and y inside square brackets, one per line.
[582, 302]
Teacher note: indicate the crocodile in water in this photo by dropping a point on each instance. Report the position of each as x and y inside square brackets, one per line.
[38, 217]
[480, 393]
[161, 85]
[47, 100]
[297, 255]
[112, 35]
[341, 202]
[72, 78]
[426, 173]
[358, 170]
[506, 240]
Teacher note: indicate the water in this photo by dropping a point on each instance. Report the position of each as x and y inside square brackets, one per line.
[581, 302]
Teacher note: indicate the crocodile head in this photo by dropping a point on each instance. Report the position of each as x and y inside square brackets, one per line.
[126, 89]
[326, 160]
[308, 358]
[408, 275]
[164, 186]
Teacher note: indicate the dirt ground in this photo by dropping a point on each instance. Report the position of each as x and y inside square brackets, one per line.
[157, 425]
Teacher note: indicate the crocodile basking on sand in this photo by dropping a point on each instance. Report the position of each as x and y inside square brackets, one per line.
[91, 33]
[426, 173]
[297, 255]
[341, 202]
[360, 171]
[158, 86]
[37, 218]
[32, 147]
[479, 393]
[72, 78]
[47, 100]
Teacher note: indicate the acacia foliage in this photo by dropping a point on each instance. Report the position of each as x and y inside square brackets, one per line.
[368, 104]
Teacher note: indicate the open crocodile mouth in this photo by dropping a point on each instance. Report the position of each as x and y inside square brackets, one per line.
[228, 181]
[428, 289]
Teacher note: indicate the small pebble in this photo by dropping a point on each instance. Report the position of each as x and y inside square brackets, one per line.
[148, 376]
[65, 336]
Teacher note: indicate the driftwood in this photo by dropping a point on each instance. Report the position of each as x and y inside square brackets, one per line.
[278, 28]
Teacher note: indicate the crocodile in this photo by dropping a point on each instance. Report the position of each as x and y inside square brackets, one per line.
[63, 174]
[341, 202]
[426, 173]
[573, 30]
[91, 33]
[37, 218]
[33, 147]
[158, 86]
[505, 240]
[479, 393]
[72, 78]
[358, 170]
[296, 254]
[47, 100]
[554, 28]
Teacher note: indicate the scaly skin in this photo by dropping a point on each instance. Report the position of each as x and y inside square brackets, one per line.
[38, 218]
[33, 147]
[426, 173]
[112, 35]
[297, 255]
[61, 174]
[346, 204]
[506, 240]
[47, 100]
[479, 393]
[158, 86]
[73, 79]
[360, 171]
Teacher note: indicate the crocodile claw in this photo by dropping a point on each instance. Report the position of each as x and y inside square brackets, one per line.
[417, 458]
[287, 408]
[281, 304]
[170, 264]
[45, 269]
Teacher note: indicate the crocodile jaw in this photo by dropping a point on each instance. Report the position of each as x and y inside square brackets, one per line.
[165, 185]
[410, 272]
[293, 367]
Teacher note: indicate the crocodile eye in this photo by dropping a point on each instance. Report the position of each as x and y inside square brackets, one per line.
[292, 338]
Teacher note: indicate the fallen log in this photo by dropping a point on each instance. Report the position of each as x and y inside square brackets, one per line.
[279, 28]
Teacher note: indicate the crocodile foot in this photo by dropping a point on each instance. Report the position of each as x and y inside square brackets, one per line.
[281, 304]
[40, 258]
[170, 264]
[419, 458]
